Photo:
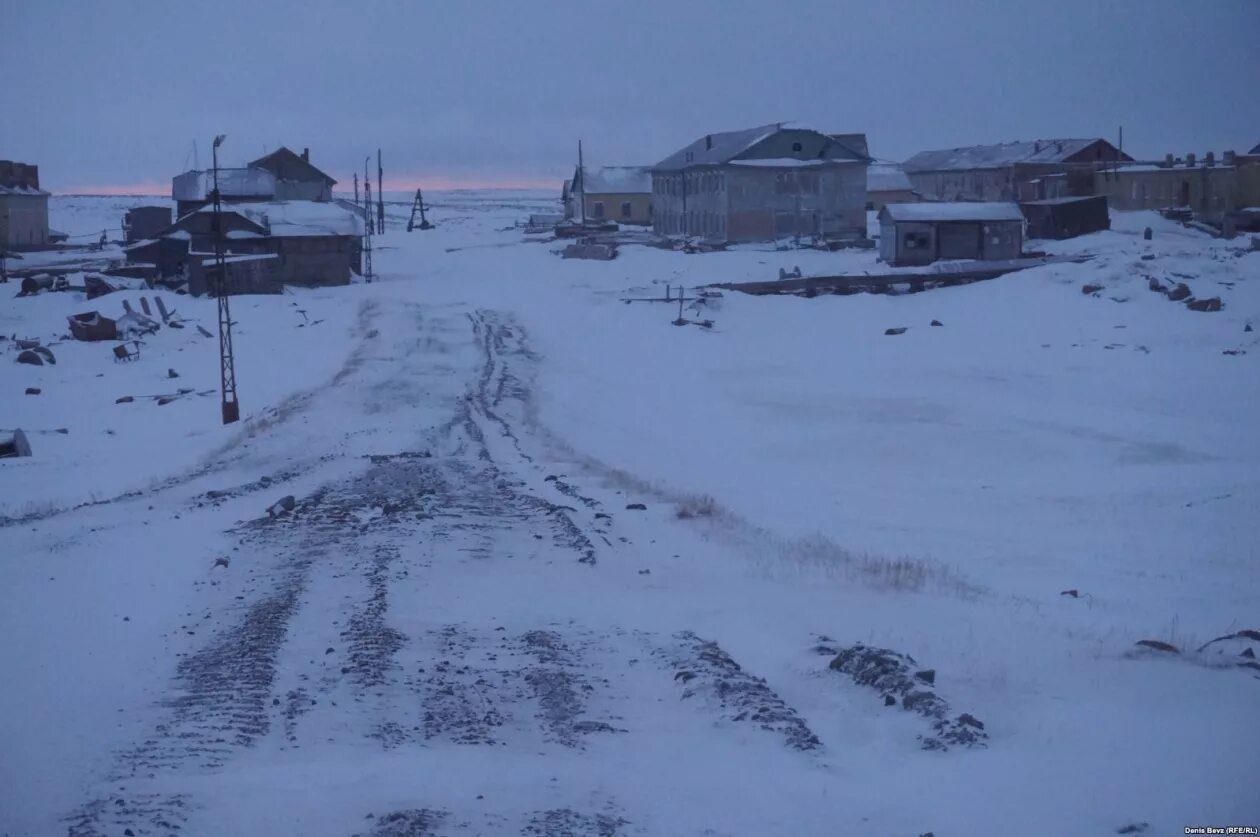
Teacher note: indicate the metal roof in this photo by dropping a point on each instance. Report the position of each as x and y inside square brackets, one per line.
[21, 190]
[999, 156]
[948, 211]
[886, 177]
[853, 142]
[1255, 150]
[716, 149]
[613, 180]
[287, 164]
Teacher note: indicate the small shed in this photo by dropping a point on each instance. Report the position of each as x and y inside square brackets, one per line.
[922, 233]
[1060, 218]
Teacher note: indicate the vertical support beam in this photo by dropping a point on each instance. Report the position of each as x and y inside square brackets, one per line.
[227, 362]
[380, 194]
[581, 178]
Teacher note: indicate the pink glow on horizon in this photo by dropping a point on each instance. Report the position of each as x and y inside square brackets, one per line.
[436, 183]
[145, 189]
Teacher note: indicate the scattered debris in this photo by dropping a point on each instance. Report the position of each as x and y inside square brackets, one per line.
[1133, 828]
[1247, 327]
[1234, 352]
[204, 333]
[14, 443]
[38, 356]
[1158, 645]
[599, 252]
[222, 562]
[97, 286]
[1091, 290]
[133, 323]
[126, 399]
[636, 507]
[795, 274]
[121, 352]
[1210, 304]
[92, 327]
[1073, 593]
[889, 332]
[1182, 291]
[1254, 636]
[937, 323]
[171, 373]
[284, 504]
[33, 390]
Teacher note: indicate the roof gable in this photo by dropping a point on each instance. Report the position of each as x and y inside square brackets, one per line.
[1010, 153]
[773, 141]
[286, 165]
[1255, 150]
[854, 142]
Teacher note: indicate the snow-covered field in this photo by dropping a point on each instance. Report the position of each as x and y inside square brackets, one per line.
[462, 628]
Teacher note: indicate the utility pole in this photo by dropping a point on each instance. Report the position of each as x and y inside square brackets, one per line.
[4, 244]
[227, 362]
[356, 188]
[380, 194]
[581, 178]
[367, 218]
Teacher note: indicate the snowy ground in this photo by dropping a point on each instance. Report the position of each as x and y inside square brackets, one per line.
[462, 628]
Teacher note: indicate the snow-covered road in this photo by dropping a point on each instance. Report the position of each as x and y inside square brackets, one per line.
[504, 604]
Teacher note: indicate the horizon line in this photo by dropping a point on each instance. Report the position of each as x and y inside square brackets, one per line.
[148, 189]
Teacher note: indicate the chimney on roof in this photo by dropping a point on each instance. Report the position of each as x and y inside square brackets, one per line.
[1190, 160]
[306, 155]
[1036, 147]
[1209, 159]
[1059, 146]
[1169, 160]
[1228, 158]
[708, 142]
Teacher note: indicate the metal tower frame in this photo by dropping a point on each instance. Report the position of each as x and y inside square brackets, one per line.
[227, 361]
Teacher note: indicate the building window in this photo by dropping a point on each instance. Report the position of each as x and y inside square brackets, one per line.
[599, 209]
[915, 241]
[796, 147]
[625, 210]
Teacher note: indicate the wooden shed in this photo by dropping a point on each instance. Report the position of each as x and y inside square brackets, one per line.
[1060, 218]
[922, 233]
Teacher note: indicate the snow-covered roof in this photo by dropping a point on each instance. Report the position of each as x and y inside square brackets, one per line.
[716, 149]
[292, 219]
[609, 180]
[1000, 155]
[946, 211]
[244, 183]
[22, 190]
[247, 257]
[786, 163]
[887, 177]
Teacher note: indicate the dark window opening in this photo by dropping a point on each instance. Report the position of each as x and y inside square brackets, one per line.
[625, 210]
[796, 146]
[915, 241]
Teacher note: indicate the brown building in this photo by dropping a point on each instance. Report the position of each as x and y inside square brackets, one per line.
[611, 193]
[1209, 186]
[23, 207]
[886, 183]
[1007, 171]
[922, 233]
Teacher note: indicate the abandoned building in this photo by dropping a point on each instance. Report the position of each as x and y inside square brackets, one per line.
[281, 175]
[762, 184]
[611, 193]
[1008, 171]
[23, 208]
[922, 233]
[1068, 217]
[296, 178]
[143, 222]
[314, 243]
[1209, 186]
[887, 183]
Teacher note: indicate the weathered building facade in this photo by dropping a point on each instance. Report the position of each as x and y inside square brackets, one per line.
[313, 243]
[887, 183]
[1067, 217]
[141, 222]
[1007, 171]
[296, 178]
[1206, 185]
[761, 184]
[610, 193]
[23, 207]
[922, 233]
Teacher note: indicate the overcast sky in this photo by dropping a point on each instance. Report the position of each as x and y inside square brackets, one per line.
[497, 92]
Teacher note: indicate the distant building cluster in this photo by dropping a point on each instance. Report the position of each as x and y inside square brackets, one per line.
[783, 181]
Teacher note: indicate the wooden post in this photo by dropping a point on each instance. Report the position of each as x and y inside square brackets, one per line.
[581, 176]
